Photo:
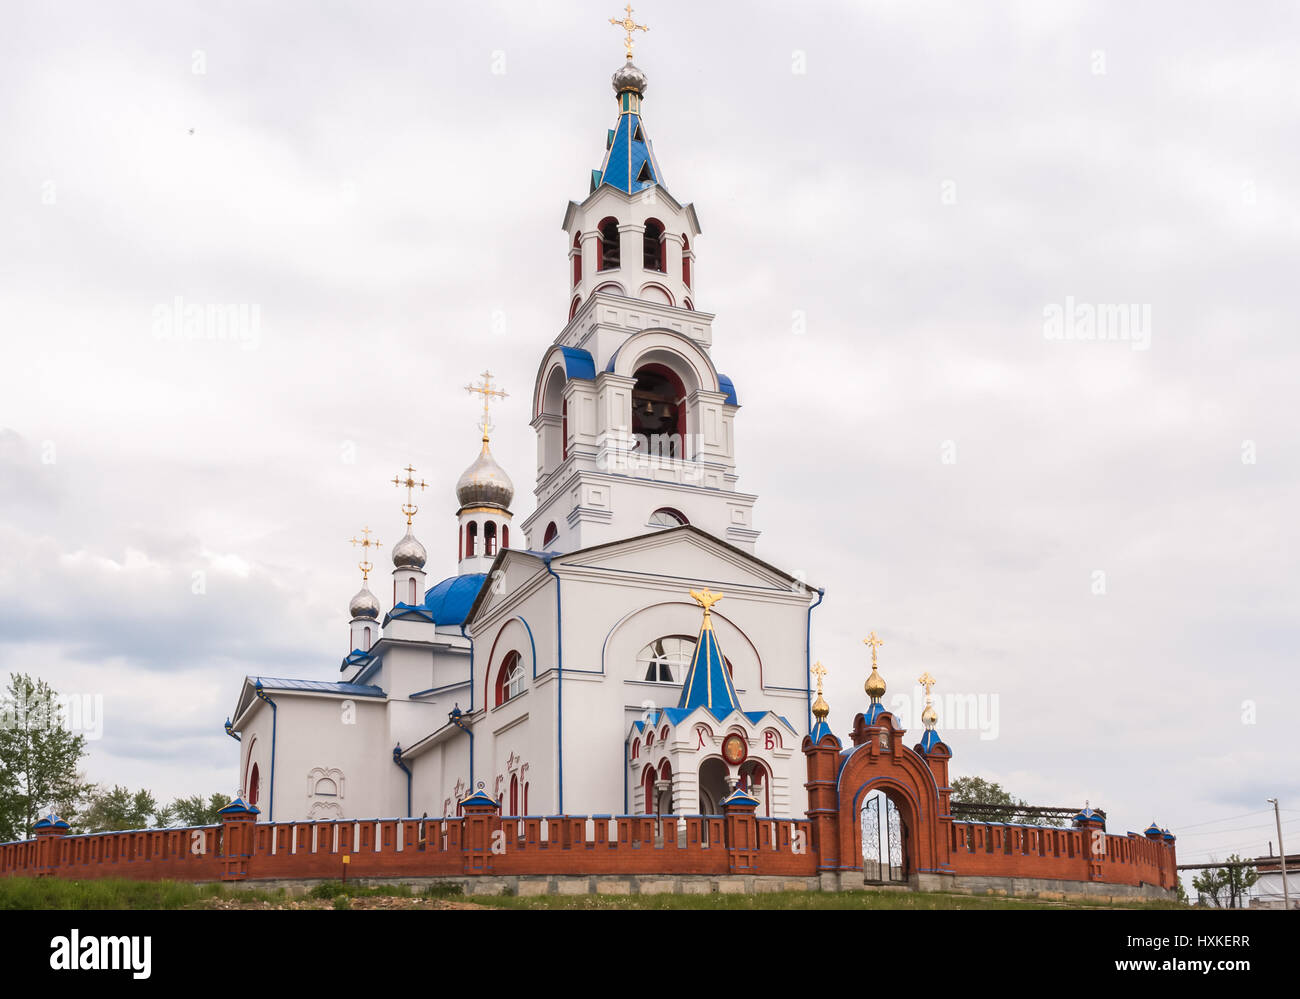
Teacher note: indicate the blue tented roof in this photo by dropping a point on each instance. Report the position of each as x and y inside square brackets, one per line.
[630, 164]
[708, 681]
[449, 602]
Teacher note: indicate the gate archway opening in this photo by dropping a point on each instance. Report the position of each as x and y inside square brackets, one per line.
[885, 840]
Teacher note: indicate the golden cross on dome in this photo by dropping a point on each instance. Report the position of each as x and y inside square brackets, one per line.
[705, 599]
[628, 25]
[928, 682]
[409, 508]
[875, 643]
[366, 542]
[818, 671]
[488, 393]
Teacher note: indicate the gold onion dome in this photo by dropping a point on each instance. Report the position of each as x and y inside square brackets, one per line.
[485, 483]
[364, 604]
[929, 716]
[409, 553]
[820, 708]
[875, 685]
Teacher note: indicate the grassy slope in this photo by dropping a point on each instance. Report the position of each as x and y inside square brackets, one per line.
[50, 893]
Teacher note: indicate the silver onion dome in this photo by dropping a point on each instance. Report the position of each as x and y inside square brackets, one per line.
[485, 483]
[409, 553]
[364, 604]
[629, 77]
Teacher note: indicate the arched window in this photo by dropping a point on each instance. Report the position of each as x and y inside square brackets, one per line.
[607, 245]
[666, 516]
[325, 787]
[490, 538]
[755, 779]
[648, 782]
[573, 309]
[686, 262]
[525, 797]
[636, 748]
[471, 539]
[510, 678]
[690, 307]
[411, 590]
[254, 785]
[659, 411]
[665, 660]
[653, 246]
[366, 639]
[552, 532]
[514, 794]
[505, 535]
[577, 259]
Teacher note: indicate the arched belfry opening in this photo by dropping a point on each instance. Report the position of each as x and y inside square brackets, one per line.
[659, 411]
[607, 245]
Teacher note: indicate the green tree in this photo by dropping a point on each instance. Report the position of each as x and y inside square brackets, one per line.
[978, 791]
[38, 756]
[119, 808]
[192, 811]
[1225, 887]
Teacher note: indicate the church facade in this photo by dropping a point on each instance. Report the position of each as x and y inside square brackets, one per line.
[566, 666]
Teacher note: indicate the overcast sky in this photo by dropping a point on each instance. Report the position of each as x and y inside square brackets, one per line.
[1099, 538]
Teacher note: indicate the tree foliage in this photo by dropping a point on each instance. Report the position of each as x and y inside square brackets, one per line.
[1225, 887]
[39, 756]
[978, 791]
[192, 811]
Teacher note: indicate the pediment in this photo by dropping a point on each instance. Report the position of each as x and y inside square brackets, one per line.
[684, 553]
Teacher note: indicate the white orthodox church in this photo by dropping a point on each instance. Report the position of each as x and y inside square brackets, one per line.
[577, 662]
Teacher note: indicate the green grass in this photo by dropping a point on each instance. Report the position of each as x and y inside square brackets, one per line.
[56, 893]
[920, 901]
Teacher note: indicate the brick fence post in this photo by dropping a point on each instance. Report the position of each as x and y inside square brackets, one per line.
[742, 831]
[237, 842]
[822, 750]
[49, 831]
[480, 822]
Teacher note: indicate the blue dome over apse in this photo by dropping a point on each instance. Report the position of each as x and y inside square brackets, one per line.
[449, 602]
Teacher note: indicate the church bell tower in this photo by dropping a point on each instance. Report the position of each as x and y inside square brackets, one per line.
[635, 424]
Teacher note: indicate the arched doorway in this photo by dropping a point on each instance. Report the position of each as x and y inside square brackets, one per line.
[884, 840]
[713, 786]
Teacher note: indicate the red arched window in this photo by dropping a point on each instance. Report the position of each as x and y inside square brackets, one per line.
[514, 794]
[636, 748]
[490, 538]
[689, 307]
[471, 539]
[652, 246]
[510, 678]
[573, 309]
[254, 785]
[607, 245]
[505, 535]
[577, 259]
[686, 262]
[649, 781]
[552, 532]
[525, 797]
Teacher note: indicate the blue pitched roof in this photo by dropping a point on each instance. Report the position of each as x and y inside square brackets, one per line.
[708, 681]
[874, 710]
[449, 602]
[578, 363]
[319, 686]
[820, 731]
[630, 163]
[930, 740]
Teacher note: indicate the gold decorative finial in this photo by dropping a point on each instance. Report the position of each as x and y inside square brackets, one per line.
[706, 600]
[409, 508]
[875, 685]
[820, 708]
[628, 25]
[929, 716]
[488, 393]
[366, 542]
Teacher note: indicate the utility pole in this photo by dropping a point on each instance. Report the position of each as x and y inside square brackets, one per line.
[1277, 815]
